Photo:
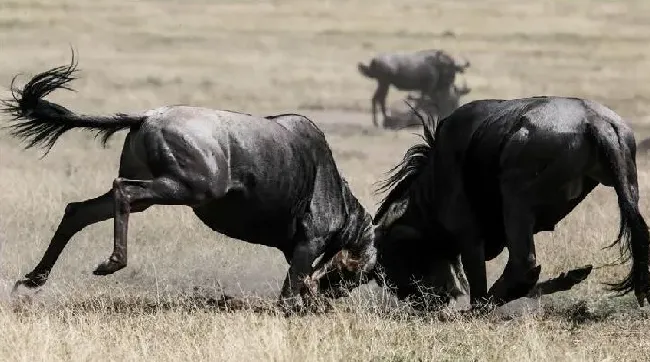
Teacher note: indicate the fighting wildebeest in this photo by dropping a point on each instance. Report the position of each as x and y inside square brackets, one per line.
[499, 171]
[423, 71]
[493, 174]
[265, 180]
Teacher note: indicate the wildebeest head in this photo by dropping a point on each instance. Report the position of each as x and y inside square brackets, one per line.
[340, 274]
[413, 255]
[408, 255]
[410, 263]
[456, 63]
[335, 274]
[402, 262]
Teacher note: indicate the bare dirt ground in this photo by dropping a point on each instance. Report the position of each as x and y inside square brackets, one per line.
[267, 57]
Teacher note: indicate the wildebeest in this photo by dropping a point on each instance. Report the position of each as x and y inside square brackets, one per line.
[493, 174]
[423, 71]
[438, 106]
[265, 180]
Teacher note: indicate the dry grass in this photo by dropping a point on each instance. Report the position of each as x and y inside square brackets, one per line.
[278, 56]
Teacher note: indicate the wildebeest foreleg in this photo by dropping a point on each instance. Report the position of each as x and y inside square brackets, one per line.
[132, 195]
[304, 255]
[379, 97]
[77, 216]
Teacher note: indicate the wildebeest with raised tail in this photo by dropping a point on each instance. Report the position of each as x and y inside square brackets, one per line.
[423, 71]
[265, 180]
[493, 174]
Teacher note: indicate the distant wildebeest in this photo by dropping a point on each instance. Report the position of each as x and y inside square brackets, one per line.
[423, 71]
[438, 106]
[489, 177]
[265, 180]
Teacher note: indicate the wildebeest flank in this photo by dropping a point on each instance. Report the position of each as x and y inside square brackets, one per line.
[269, 181]
[496, 173]
[425, 71]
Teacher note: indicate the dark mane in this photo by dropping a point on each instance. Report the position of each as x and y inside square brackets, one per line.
[401, 177]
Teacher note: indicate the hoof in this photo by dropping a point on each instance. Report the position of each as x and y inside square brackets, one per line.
[31, 281]
[641, 297]
[291, 305]
[108, 267]
[310, 288]
[478, 310]
[27, 283]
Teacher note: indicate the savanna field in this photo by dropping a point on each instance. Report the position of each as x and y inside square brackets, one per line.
[268, 57]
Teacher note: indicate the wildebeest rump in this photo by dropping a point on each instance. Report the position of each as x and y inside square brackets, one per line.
[423, 71]
[269, 181]
[496, 173]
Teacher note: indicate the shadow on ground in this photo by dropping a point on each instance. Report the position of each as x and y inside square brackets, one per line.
[576, 312]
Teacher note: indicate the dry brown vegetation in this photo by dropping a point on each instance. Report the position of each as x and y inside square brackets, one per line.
[284, 56]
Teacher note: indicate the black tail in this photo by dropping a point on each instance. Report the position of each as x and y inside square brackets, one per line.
[365, 70]
[41, 123]
[620, 157]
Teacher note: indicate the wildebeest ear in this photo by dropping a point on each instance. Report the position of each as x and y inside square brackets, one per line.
[392, 213]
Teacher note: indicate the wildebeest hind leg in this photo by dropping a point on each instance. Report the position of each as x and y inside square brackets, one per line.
[563, 282]
[137, 195]
[521, 273]
[77, 216]
[473, 259]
